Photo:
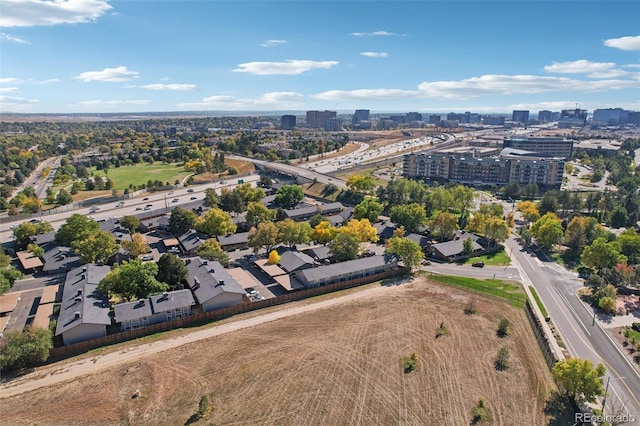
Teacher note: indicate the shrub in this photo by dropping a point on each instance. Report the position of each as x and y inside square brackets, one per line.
[502, 360]
[409, 364]
[470, 309]
[203, 407]
[503, 328]
[480, 412]
[442, 330]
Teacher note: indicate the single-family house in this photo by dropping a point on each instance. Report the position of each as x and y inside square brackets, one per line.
[385, 230]
[153, 223]
[233, 241]
[451, 250]
[84, 311]
[345, 271]
[292, 261]
[212, 285]
[155, 309]
[191, 240]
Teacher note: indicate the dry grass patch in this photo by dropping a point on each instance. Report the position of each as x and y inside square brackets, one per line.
[339, 365]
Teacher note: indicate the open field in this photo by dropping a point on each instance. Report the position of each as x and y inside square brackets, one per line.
[244, 167]
[499, 258]
[513, 292]
[141, 173]
[336, 365]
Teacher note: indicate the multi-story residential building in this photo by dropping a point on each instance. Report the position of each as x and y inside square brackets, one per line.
[514, 166]
[547, 146]
[520, 116]
[318, 119]
[288, 122]
[610, 117]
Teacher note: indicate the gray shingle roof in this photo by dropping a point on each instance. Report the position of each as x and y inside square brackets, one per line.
[293, 260]
[311, 210]
[321, 252]
[132, 310]
[192, 239]
[353, 266]
[208, 279]
[81, 301]
[152, 305]
[58, 259]
[233, 239]
[456, 246]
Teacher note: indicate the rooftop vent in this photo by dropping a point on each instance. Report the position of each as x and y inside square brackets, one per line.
[205, 262]
[165, 295]
[79, 292]
[84, 269]
[141, 302]
[77, 314]
[196, 283]
[77, 300]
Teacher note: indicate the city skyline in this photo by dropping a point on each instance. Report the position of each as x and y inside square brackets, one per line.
[100, 56]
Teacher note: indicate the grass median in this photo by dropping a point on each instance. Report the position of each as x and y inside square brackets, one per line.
[513, 293]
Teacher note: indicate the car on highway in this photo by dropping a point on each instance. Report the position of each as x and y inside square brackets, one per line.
[145, 199]
[170, 193]
[120, 204]
[147, 208]
[138, 208]
[175, 200]
[190, 190]
[194, 198]
[478, 264]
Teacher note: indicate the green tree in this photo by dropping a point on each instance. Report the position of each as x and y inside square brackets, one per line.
[548, 203]
[137, 246]
[203, 407]
[264, 182]
[581, 381]
[602, 254]
[618, 217]
[361, 183]
[412, 216]
[291, 232]
[231, 201]
[503, 328]
[211, 198]
[8, 276]
[77, 227]
[19, 349]
[211, 250]
[97, 247]
[265, 235]
[23, 233]
[36, 250]
[132, 280]
[288, 196]
[575, 236]
[63, 197]
[407, 250]
[216, 222]
[181, 220]
[629, 242]
[480, 413]
[369, 208]
[502, 361]
[547, 230]
[345, 246]
[172, 271]
[467, 246]
[249, 194]
[403, 191]
[443, 225]
[258, 212]
[130, 222]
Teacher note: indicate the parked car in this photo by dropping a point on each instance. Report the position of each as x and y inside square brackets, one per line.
[147, 257]
[478, 264]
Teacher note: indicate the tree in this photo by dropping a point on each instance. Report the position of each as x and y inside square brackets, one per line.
[496, 230]
[249, 194]
[411, 216]
[444, 225]
[130, 222]
[258, 212]
[291, 232]
[181, 220]
[172, 271]
[203, 407]
[211, 198]
[288, 196]
[480, 413]
[132, 280]
[264, 182]
[575, 236]
[345, 246]
[274, 258]
[63, 197]
[76, 227]
[503, 328]
[602, 254]
[548, 203]
[581, 381]
[137, 246]
[403, 191]
[629, 242]
[211, 250]
[323, 232]
[231, 201]
[547, 230]
[407, 250]
[618, 217]
[362, 229]
[369, 208]
[528, 210]
[19, 349]
[97, 247]
[361, 183]
[36, 250]
[467, 246]
[216, 222]
[265, 235]
[502, 361]
[26, 230]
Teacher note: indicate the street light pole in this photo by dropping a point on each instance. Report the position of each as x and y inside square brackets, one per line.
[606, 390]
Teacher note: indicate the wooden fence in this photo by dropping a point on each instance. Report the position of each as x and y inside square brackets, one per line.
[218, 314]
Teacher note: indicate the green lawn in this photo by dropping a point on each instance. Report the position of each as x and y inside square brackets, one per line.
[539, 302]
[139, 174]
[498, 288]
[499, 258]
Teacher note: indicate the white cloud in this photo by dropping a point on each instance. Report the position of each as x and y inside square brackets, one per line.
[581, 66]
[28, 13]
[540, 106]
[367, 94]
[113, 75]
[290, 67]
[50, 80]
[10, 80]
[624, 43]
[114, 102]
[375, 33]
[268, 101]
[177, 87]
[8, 89]
[9, 37]
[516, 84]
[271, 43]
[15, 104]
[630, 66]
[375, 54]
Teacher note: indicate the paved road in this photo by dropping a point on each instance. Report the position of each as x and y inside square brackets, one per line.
[585, 337]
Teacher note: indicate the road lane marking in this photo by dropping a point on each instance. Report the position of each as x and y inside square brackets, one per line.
[575, 314]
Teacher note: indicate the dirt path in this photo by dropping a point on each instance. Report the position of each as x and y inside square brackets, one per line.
[69, 370]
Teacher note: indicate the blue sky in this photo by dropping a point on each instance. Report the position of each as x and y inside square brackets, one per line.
[76, 56]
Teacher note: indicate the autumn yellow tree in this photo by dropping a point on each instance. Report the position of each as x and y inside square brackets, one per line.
[274, 258]
[529, 211]
[362, 229]
[323, 232]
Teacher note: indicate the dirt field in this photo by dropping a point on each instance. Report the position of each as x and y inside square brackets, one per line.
[338, 365]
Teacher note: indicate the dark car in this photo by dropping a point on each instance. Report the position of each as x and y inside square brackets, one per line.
[478, 264]
[145, 198]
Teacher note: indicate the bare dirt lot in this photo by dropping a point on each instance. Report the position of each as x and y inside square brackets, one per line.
[338, 365]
